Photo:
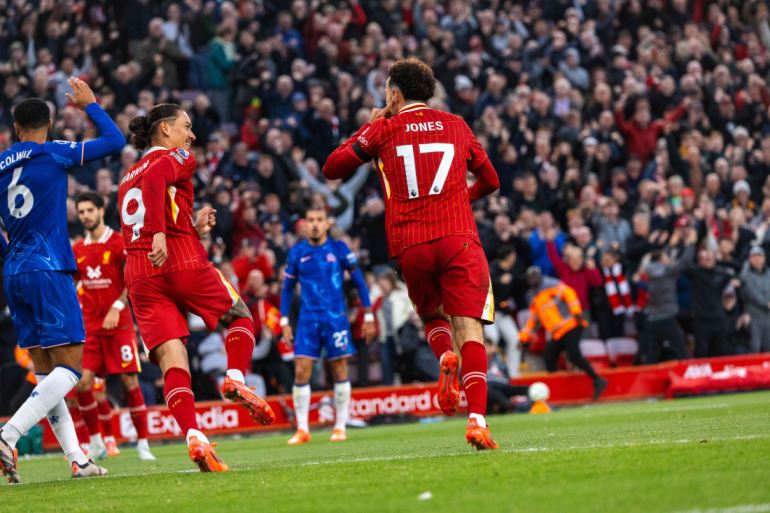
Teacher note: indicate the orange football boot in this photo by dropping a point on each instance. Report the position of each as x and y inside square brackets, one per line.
[300, 437]
[8, 459]
[203, 455]
[112, 448]
[448, 389]
[479, 436]
[242, 395]
[339, 435]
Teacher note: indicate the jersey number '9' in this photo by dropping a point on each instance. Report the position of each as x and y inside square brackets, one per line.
[407, 152]
[135, 220]
[14, 190]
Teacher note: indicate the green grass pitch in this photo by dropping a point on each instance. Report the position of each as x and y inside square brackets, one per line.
[669, 456]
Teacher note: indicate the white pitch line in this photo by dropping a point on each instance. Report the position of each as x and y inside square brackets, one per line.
[749, 508]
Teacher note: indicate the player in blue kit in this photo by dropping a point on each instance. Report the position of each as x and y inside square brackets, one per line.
[39, 264]
[319, 264]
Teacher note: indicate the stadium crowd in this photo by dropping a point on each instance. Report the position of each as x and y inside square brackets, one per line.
[631, 138]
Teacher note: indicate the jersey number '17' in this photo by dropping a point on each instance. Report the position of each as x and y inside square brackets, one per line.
[407, 153]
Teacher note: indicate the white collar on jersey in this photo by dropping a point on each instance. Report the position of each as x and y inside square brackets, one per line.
[104, 238]
[414, 107]
[153, 149]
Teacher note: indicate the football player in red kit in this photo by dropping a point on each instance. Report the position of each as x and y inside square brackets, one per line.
[111, 346]
[168, 273]
[423, 156]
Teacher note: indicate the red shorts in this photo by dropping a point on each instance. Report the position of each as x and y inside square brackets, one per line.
[450, 271]
[161, 303]
[111, 354]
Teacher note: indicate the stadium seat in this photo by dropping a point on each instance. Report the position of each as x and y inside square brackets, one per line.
[595, 351]
[622, 351]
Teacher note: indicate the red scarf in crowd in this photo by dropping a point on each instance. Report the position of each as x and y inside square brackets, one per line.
[616, 286]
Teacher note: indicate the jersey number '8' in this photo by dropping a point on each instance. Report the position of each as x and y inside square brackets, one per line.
[15, 190]
[407, 153]
[135, 220]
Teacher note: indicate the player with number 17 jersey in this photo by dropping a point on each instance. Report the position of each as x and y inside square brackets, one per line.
[423, 156]
[187, 265]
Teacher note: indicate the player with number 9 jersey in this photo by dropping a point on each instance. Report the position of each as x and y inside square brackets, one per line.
[168, 274]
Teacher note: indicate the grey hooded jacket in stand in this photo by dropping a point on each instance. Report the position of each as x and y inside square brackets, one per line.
[661, 279]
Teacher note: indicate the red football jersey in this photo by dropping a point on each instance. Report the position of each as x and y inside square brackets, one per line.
[140, 200]
[423, 156]
[100, 280]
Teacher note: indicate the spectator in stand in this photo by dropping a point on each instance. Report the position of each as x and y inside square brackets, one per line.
[500, 392]
[612, 231]
[205, 119]
[574, 270]
[755, 292]
[222, 58]
[611, 317]
[538, 242]
[709, 317]
[504, 280]
[394, 313]
[738, 323]
[556, 308]
[251, 258]
[665, 336]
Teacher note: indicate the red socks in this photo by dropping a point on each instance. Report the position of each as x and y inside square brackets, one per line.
[180, 399]
[439, 336]
[239, 344]
[88, 410]
[80, 425]
[138, 411]
[105, 417]
[474, 374]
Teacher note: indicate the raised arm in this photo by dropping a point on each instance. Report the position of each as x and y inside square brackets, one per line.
[111, 140]
[487, 181]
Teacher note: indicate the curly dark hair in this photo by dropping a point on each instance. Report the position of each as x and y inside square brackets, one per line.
[413, 78]
[32, 114]
[145, 127]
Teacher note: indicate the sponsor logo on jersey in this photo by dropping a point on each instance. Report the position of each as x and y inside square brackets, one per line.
[304, 259]
[71, 143]
[106, 259]
[184, 153]
[177, 157]
[94, 274]
[330, 257]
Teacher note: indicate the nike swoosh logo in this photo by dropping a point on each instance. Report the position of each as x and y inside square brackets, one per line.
[126, 364]
[466, 388]
[304, 259]
[434, 338]
[81, 259]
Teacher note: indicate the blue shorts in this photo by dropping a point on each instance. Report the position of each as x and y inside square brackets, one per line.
[45, 309]
[333, 334]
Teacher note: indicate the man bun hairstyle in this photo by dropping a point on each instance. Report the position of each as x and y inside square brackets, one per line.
[32, 114]
[413, 78]
[91, 196]
[145, 128]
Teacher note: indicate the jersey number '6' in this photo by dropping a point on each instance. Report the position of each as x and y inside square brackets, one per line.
[14, 190]
[135, 220]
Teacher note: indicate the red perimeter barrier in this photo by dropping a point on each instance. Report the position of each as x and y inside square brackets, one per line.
[625, 383]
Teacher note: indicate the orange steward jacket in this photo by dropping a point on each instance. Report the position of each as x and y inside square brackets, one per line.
[555, 307]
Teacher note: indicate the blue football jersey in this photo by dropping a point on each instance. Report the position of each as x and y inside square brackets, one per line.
[320, 271]
[33, 179]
